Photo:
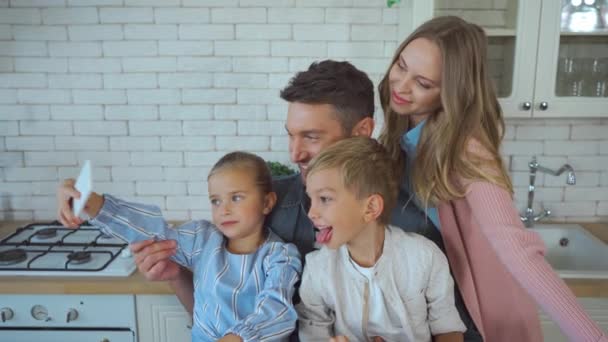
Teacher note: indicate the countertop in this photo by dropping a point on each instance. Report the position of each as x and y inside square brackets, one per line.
[137, 284]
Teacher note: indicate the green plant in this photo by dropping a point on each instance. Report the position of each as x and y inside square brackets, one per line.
[279, 169]
[390, 3]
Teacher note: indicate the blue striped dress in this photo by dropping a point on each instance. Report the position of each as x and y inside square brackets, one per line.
[249, 295]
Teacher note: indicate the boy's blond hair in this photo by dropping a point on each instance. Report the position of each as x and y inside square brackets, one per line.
[366, 169]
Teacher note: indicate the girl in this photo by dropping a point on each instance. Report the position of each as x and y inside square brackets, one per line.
[443, 123]
[244, 275]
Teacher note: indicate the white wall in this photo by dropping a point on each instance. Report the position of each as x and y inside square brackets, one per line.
[583, 144]
[154, 91]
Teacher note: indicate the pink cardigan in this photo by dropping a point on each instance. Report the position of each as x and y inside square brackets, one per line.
[500, 269]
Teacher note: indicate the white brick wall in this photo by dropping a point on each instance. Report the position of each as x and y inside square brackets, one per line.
[156, 91]
[95, 32]
[132, 112]
[136, 173]
[186, 112]
[85, 49]
[134, 143]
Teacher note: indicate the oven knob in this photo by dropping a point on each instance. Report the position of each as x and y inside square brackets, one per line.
[40, 313]
[7, 314]
[72, 315]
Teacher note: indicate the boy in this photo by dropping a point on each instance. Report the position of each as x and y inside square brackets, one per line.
[370, 279]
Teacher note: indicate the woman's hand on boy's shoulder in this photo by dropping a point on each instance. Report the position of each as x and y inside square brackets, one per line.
[345, 339]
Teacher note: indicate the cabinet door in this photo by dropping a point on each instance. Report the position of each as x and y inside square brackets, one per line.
[512, 28]
[572, 72]
[597, 308]
[162, 318]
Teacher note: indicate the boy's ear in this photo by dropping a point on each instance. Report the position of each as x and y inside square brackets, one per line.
[270, 199]
[373, 208]
[363, 128]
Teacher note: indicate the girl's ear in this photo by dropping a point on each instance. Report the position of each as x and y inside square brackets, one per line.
[270, 199]
[373, 208]
[363, 128]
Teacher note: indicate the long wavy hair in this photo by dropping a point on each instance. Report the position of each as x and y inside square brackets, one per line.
[461, 140]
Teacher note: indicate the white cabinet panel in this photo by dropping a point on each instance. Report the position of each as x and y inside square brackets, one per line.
[162, 318]
[67, 336]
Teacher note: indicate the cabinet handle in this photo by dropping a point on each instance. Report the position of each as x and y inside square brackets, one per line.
[526, 105]
[543, 105]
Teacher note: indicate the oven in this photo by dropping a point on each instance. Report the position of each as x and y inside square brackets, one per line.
[68, 336]
[42, 250]
[67, 318]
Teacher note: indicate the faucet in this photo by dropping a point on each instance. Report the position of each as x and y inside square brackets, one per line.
[528, 217]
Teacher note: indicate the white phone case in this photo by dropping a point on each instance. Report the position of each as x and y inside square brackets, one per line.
[84, 184]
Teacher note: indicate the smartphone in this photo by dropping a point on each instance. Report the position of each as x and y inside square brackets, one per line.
[84, 185]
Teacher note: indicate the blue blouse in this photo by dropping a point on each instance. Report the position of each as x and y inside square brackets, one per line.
[409, 143]
[245, 294]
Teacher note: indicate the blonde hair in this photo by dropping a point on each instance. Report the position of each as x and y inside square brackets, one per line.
[366, 169]
[247, 161]
[470, 116]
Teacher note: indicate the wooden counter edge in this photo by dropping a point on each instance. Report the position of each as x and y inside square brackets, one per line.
[134, 284]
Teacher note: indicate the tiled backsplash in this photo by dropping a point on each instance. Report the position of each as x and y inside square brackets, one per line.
[581, 143]
[154, 92]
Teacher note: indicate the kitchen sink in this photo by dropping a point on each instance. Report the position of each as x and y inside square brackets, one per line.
[573, 251]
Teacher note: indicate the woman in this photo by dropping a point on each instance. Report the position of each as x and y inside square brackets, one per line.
[444, 124]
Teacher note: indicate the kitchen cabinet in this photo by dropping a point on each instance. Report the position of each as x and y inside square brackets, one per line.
[597, 308]
[162, 318]
[546, 59]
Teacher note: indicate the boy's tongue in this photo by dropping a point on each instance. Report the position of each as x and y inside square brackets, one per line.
[324, 235]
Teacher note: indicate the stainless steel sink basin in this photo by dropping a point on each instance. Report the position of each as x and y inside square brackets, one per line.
[574, 252]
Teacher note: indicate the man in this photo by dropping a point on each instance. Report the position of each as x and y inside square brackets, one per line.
[328, 102]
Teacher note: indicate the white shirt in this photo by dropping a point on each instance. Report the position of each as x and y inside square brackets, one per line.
[383, 320]
[414, 280]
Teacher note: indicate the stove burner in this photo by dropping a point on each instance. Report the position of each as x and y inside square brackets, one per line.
[46, 233]
[12, 256]
[105, 236]
[81, 257]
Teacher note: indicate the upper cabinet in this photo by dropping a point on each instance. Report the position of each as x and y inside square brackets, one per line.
[548, 58]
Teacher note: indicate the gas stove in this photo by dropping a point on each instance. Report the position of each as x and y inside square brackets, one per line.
[51, 250]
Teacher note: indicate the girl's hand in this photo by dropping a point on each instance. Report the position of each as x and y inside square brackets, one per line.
[65, 195]
[152, 259]
[230, 338]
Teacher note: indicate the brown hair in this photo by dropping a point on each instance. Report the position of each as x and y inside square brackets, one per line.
[339, 84]
[463, 138]
[366, 169]
[248, 161]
